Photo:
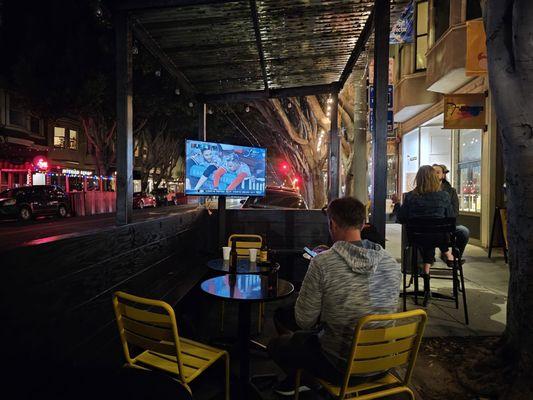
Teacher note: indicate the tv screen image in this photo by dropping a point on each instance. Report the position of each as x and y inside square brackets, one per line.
[217, 169]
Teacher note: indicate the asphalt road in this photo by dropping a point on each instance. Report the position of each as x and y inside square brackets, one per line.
[42, 230]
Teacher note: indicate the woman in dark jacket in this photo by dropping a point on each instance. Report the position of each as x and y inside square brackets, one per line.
[462, 234]
[426, 200]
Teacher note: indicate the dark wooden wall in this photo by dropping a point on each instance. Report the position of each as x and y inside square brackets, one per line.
[284, 229]
[55, 298]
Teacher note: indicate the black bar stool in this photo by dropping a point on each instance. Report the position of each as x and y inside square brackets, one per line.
[426, 233]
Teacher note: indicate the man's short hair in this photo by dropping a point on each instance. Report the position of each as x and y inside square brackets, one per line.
[347, 212]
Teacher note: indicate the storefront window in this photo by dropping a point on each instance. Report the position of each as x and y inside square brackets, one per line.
[469, 171]
[410, 161]
[435, 146]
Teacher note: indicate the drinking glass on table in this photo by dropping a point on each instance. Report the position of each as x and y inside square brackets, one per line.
[253, 255]
[226, 252]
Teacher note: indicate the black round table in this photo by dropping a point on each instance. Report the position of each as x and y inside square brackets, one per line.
[245, 289]
[244, 266]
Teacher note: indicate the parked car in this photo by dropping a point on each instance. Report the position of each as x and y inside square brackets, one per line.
[164, 197]
[141, 200]
[28, 202]
[277, 197]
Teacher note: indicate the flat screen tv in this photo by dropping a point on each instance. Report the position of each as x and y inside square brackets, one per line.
[217, 169]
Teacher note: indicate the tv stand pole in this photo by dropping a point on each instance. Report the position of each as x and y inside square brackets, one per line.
[222, 221]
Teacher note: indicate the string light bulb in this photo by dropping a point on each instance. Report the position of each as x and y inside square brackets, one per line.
[158, 73]
[247, 109]
[177, 91]
[210, 111]
[191, 104]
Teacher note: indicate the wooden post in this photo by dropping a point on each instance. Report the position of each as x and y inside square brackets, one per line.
[334, 150]
[381, 82]
[123, 45]
[202, 127]
[67, 184]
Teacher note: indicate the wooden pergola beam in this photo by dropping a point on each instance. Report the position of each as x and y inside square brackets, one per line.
[160, 55]
[135, 5]
[255, 20]
[358, 49]
[241, 97]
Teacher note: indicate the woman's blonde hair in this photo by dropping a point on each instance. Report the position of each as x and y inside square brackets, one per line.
[426, 180]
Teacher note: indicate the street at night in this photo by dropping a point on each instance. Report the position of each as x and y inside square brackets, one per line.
[47, 229]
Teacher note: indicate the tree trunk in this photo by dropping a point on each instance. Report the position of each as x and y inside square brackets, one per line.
[319, 189]
[359, 165]
[509, 27]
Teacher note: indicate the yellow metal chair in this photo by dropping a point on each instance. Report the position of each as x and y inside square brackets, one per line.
[376, 350]
[154, 336]
[245, 242]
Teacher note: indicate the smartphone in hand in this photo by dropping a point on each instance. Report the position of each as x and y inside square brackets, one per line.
[310, 252]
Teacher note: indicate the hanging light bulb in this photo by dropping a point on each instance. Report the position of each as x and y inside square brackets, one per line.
[135, 49]
[289, 105]
[177, 91]
[158, 73]
[98, 12]
[247, 109]
[210, 111]
[191, 104]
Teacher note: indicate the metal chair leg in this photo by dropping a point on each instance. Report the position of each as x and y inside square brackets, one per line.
[455, 281]
[414, 270]
[462, 277]
[404, 272]
[297, 384]
[222, 317]
[227, 376]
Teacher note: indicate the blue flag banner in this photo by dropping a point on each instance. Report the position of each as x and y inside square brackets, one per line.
[402, 31]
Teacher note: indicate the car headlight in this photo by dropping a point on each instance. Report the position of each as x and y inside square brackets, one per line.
[9, 202]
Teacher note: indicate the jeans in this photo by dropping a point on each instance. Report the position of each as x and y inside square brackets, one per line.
[462, 234]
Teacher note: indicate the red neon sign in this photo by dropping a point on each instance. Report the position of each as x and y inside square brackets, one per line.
[40, 163]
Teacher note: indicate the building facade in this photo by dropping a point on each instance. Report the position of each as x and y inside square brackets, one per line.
[38, 151]
[425, 70]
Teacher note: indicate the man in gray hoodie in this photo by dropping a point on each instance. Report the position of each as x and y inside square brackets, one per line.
[352, 279]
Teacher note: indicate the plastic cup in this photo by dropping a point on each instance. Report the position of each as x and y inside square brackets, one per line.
[253, 255]
[226, 252]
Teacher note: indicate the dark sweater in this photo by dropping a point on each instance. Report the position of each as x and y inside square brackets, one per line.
[427, 205]
[446, 187]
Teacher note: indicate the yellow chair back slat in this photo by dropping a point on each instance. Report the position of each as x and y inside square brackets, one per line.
[149, 331]
[245, 242]
[151, 345]
[387, 334]
[379, 364]
[143, 316]
[384, 349]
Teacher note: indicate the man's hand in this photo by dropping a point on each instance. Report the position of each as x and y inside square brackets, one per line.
[321, 248]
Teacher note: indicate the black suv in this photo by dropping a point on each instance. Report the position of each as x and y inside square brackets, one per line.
[277, 197]
[31, 201]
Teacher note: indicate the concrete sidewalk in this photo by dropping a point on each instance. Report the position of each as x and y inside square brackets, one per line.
[486, 283]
